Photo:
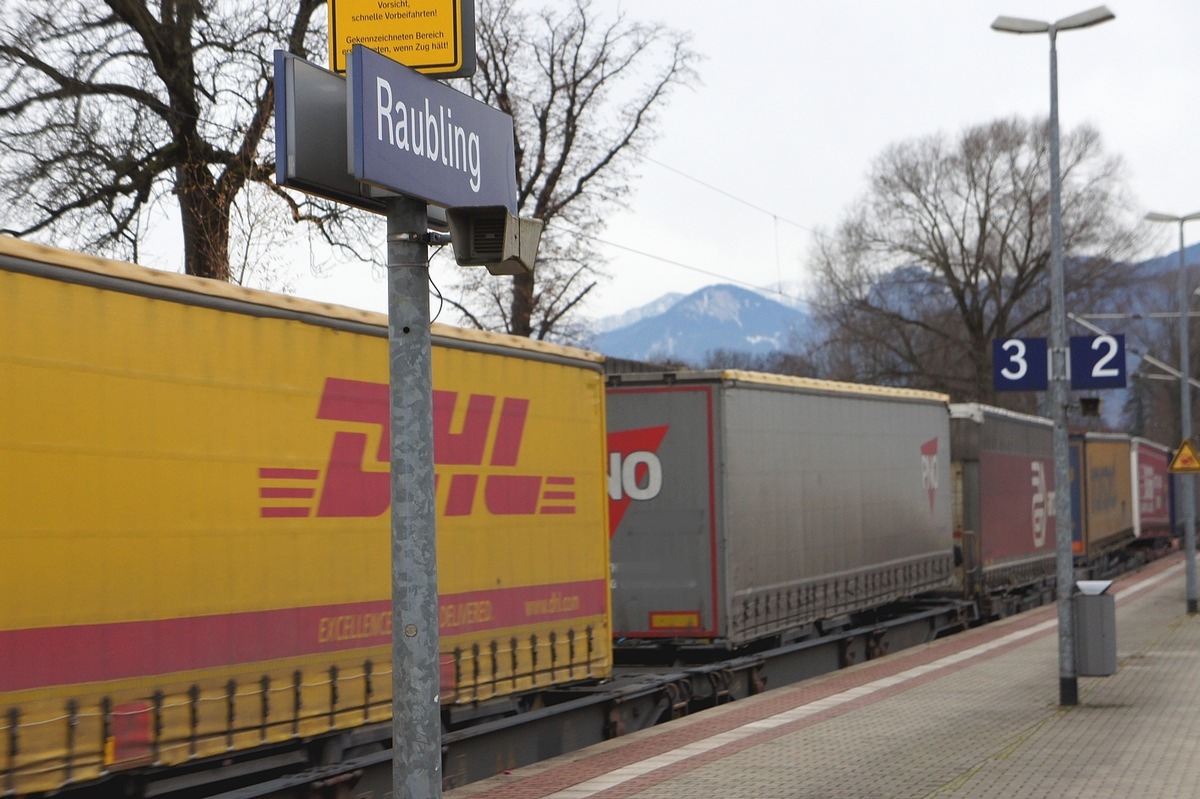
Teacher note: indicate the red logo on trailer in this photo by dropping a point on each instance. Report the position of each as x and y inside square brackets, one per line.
[1153, 479]
[1040, 502]
[356, 482]
[634, 470]
[1015, 505]
[929, 469]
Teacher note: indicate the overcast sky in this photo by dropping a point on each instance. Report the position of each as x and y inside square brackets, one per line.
[796, 99]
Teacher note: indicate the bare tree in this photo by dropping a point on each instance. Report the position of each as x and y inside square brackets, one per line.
[778, 362]
[110, 110]
[949, 249]
[583, 95]
[1150, 322]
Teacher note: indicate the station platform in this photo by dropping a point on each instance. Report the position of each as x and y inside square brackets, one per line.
[974, 715]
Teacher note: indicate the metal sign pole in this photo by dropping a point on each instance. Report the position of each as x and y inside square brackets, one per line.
[416, 716]
[1068, 684]
[1068, 687]
[1188, 483]
[462, 159]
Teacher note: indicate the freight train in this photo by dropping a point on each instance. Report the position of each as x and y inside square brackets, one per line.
[194, 504]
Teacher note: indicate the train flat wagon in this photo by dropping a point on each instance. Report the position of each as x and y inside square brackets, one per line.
[1003, 474]
[745, 507]
[194, 519]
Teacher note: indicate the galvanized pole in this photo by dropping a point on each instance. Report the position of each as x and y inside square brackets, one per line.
[1059, 394]
[416, 717]
[1068, 686]
[1188, 482]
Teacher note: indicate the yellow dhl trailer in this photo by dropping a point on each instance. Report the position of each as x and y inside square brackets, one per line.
[1102, 495]
[194, 518]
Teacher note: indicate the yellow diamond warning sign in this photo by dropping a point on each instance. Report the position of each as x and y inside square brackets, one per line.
[436, 37]
[1185, 459]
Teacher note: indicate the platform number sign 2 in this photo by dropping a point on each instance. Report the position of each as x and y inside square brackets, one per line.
[1097, 362]
[1020, 364]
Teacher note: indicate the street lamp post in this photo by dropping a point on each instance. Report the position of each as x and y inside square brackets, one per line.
[1068, 686]
[1187, 496]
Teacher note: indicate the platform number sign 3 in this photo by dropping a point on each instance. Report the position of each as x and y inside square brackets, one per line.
[1019, 364]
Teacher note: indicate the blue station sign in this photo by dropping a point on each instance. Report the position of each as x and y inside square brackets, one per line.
[1022, 364]
[1097, 362]
[412, 135]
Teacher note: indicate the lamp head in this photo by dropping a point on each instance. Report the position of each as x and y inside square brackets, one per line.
[1155, 216]
[1020, 25]
[1084, 19]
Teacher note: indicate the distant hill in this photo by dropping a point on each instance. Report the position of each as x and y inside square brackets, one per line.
[686, 328]
[1169, 264]
[659, 306]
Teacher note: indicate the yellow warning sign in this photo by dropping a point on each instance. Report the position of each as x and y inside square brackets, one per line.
[436, 37]
[1185, 459]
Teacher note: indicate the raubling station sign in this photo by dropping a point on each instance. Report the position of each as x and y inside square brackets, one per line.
[412, 134]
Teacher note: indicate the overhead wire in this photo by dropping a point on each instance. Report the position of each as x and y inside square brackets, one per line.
[776, 219]
[680, 264]
[730, 195]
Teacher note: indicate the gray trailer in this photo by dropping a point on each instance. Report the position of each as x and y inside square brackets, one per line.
[747, 506]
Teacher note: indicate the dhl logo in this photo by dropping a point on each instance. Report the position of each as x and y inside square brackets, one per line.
[469, 445]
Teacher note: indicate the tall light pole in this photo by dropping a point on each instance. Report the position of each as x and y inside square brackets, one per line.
[1059, 384]
[1187, 483]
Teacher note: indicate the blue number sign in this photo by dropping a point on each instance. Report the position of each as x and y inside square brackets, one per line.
[1097, 362]
[1020, 364]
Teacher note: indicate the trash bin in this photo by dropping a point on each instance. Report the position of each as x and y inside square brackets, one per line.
[1095, 615]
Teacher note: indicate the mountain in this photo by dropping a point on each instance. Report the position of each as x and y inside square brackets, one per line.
[659, 306]
[721, 317]
[1169, 264]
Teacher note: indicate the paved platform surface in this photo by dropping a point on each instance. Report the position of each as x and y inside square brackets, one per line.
[975, 715]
